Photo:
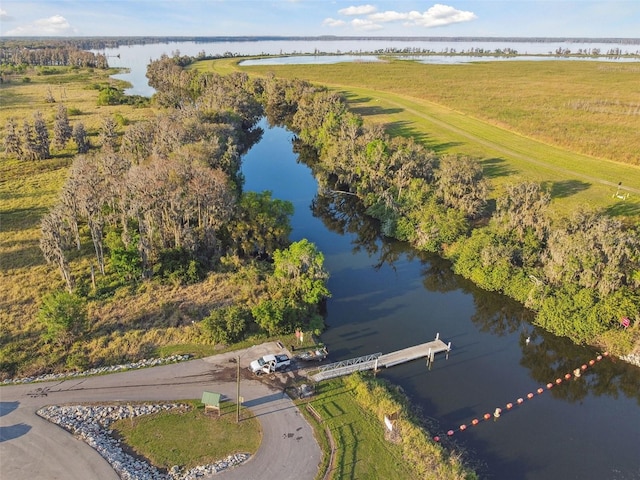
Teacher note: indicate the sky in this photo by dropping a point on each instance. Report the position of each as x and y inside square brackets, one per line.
[487, 18]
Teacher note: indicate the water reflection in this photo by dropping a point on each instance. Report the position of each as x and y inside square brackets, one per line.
[546, 356]
[549, 358]
[310, 60]
[387, 296]
[427, 59]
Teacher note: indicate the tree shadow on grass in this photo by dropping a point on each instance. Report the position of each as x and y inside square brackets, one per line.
[496, 167]
[363, 106]
[405, 129]
[371, 110]
[28, 256]
[565, 188]
[623, 209]
[21, 218]
[352, 98]
[14, 98]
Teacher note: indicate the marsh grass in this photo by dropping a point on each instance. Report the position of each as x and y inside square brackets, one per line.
[190, 438]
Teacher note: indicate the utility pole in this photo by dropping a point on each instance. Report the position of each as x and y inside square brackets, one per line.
[238, 390]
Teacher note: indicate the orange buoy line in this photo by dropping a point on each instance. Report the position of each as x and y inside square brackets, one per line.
[577, 373]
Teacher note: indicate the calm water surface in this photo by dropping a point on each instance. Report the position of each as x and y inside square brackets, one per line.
[386, 296]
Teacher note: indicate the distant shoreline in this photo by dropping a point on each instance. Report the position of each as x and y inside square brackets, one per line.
[249, 38]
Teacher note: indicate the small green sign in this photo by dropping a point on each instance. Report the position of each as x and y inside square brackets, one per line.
[211, 399]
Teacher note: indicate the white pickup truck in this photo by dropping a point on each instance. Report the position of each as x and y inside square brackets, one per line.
[269, 364]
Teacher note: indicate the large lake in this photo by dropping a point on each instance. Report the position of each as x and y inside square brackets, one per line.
[387, 296]
[136, 57]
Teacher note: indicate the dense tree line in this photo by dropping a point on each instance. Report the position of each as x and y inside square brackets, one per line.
[51, 56]
[164, 200]
[579, 274]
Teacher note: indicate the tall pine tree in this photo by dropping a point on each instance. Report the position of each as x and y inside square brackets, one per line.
[61, 128]
[12, 142]
[41, 136]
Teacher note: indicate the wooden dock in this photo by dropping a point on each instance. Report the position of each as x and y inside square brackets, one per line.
[425, 350]
[375, 361]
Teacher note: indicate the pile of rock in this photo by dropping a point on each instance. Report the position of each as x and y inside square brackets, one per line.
[91, 424]
[632, 358]
[151, 362]
[176, 473]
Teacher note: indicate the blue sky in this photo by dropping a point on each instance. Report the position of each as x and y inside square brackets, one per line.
[523, 18]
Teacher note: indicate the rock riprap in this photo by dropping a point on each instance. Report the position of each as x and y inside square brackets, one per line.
[91, 423]
[144, 363]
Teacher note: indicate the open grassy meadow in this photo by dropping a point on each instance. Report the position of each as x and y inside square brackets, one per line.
[570, 125]
[29, 189]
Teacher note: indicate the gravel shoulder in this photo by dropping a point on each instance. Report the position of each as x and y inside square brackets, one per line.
[32, 448]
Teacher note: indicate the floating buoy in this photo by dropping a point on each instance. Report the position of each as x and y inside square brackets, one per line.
[577, 373]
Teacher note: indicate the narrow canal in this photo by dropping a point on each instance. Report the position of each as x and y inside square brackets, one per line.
[386, 296]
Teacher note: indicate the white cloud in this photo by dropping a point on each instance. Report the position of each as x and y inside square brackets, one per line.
[442, 15]
[4, 16]
[364, 24]
[436, 16]
[332, 22]
[390, 16]
[55, 25]
[358, 10]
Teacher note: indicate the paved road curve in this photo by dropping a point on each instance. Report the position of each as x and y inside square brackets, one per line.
[31, 448]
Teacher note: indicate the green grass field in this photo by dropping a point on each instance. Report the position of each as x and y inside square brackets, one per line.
[361, 449]
[568, 125]
[161, 438]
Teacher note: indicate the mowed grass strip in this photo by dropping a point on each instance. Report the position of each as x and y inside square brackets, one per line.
[361, 449]
[190, 438]
[525, 121]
